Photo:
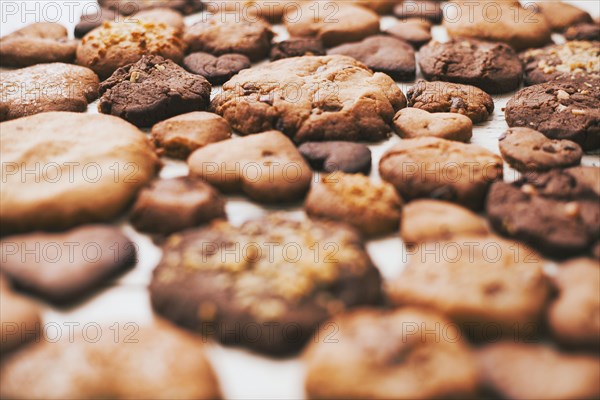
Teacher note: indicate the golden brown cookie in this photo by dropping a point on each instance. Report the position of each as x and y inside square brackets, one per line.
[415, 31]
[413, 122]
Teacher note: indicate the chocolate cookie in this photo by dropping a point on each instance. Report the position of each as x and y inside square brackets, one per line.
[179, 136]
[414, 31]
[91, 21]
[529, 150]
[116, 44]
[441, 169]
[562, 109]
[88, 168]
[151, 90]
[372, 208]
[556, 212]
[172, 205]
[129, 7]
[46, 87]
[424, 10]
[583, 31]
[451, 97]
[42, 42]
[413, 122]
[216, 70]
[20, 320]
[337, 156]
[297, 47]
[561, 15]
[493, 67]
[568, 60]
[230, 33]
[267, 284]
[572, 316]
[489, 286]
[538, 371]
[333, 23]
[391, 351]
[66, 266]
[267, 167]
[311, 98]
[382, 54]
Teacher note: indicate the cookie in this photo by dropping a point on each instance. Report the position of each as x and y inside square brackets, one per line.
[337, 156]
[374, 209]
[117, 44]
[379, 6]
[230, 33]
[525, 149]
[493, 67]
[38, 43]
[297, 47]
[271, 11]
[504, 21]
[391, 351]
[332, 23]
[129, 7]
[179, 136]
[487, 285]
[152, 90]
[561, 15]
[217, 70]
[311, 98]
[414, 31]
[434, 220]
[424, 10]
[64, 267]
[119, 363]
[93, 20]
[568, 60]
[382, 54]
[584, 31]
[572, 316]
[441, 169]
[173, 205]
[20, 320]
[556, 212]
[538, 371]
[87, 168]
[412, 123]
[163, 15]
[46, 87]
[563, 109]
[451, 97]
[267, 284]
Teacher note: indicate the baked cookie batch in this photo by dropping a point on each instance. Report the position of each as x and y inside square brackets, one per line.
[497, 290]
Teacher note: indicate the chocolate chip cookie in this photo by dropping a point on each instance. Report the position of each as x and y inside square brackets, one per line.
[382, 54]
[129, 7]
[424, 10]
[413, 122]
[20, 320]
[417, 32]
[337, 156]
[561, 15]
[311, 98]
[529, 150]
[297, 47]
[216, 70]
[151, 90]
[583, 31]
[441, 169]
[451, 97]
[267, 284]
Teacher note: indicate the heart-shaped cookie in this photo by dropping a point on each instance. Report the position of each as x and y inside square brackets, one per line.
[337, 156]
[413, 123]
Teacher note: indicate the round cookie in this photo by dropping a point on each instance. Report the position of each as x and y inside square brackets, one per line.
[217, 70]
[151, 90]
[417, 32]
[337, 156]
[333, 23]
[561, 109]
[230, 33]
[441, 169]
[20, 320]
[129, 7]
[163, 15]
[382, 54]
[88, 168]
[297, 97]
[38, 43]
[493, 67]
[583, 31]
[561, 15]
[267, 284]
[46, 87]
[529, 150]
[423, 10]
[378, 354]
[413, 122]
[116, 44]
[372, 208]
[297, 47]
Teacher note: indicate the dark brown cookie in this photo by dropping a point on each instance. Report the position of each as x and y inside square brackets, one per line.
[91, 21]
[560, 15]
[216, 70]
[151, 90]
[297, 47]
[173, 205]
[556, 212]
[529, 150]
[337, 156]
[451, 97]
[493, 67]
[425, 10]
[414, 31]
[129, 7]
[264, 284]
[585, 31]
[64, 267]
[382, 54]
[562, 109]
[42, 42]
[20, 320]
